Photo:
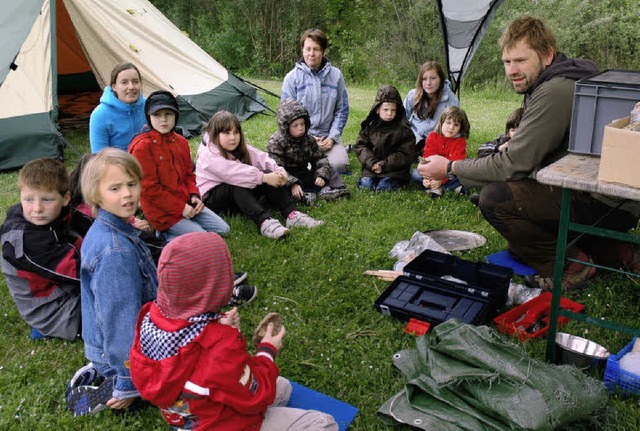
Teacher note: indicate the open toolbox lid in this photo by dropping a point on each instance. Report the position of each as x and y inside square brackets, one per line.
[478, 278]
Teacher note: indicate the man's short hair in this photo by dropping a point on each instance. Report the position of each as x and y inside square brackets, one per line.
[44, 174]
[317, 36]
[536, 32]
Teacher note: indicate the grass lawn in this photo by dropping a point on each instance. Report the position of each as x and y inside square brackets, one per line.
[336, 342]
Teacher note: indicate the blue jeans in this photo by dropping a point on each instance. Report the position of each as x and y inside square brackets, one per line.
[122, 386]
[384, 184]
[205, 221]
[449, 185]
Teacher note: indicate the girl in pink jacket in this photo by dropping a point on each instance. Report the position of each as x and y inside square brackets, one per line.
[233, 176]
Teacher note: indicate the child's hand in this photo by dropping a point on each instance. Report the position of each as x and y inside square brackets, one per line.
[197, 204]
[140, 224]
[188, 211]
[231, 318]
[297, 192]
[319, 182]
[118, 404]
[275, 340]
[434, 184]
[425, 183]
[275, 179]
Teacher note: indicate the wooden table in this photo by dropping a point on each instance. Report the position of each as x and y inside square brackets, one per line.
[580, 172]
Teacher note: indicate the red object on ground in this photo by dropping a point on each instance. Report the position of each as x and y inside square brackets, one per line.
[417, 327]
[531, 319]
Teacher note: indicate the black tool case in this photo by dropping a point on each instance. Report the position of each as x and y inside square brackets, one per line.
[436, 287]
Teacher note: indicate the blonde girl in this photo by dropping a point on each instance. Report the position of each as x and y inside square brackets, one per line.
[117, 276]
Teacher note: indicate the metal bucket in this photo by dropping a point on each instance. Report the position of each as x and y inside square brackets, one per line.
[578, 351]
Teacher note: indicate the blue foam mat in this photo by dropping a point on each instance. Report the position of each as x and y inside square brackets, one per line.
[308, 399]
[504, 258]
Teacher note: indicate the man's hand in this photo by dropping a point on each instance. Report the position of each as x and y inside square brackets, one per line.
[377, 168]
[434, 169]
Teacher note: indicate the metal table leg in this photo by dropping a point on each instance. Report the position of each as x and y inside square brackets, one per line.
[558, 272]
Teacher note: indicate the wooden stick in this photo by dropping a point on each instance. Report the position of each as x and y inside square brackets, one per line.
[383, 274]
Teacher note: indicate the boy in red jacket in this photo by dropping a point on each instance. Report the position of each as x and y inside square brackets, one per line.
[170, 199]
[190, 359]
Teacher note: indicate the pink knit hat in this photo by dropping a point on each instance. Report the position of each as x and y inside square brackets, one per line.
[195, 275]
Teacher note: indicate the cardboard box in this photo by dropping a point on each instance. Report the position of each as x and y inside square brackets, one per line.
[620, 159]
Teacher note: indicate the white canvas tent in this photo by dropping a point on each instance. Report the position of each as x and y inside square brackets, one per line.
[464, 23]
[50, 44]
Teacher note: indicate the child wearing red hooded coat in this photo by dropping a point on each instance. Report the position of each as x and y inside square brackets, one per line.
[191, 360]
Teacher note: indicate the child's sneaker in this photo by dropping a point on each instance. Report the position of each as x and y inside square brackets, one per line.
[436, 193]
[298, 219]
[239, 277]
[242, 295]
[85, 376]
[272, 228]
[328, 194]
[85, 400]
[309, 198]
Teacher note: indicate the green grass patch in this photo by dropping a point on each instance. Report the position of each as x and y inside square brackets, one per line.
[336, 342]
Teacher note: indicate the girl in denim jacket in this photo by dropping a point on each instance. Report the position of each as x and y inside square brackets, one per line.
[117, 276]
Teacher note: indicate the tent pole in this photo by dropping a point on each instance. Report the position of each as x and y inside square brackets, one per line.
[54, 59]
[53, 23]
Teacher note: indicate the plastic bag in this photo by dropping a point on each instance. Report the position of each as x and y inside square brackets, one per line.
[519, 293]
[406, 251]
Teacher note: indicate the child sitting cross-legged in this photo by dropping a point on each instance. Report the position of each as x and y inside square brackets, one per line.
[449, 139]
[41, 239]
[233, 176]
[190, 359]
[293, 148]
[386, 145]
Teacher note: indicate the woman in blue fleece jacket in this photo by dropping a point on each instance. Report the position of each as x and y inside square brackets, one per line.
[120, 114]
